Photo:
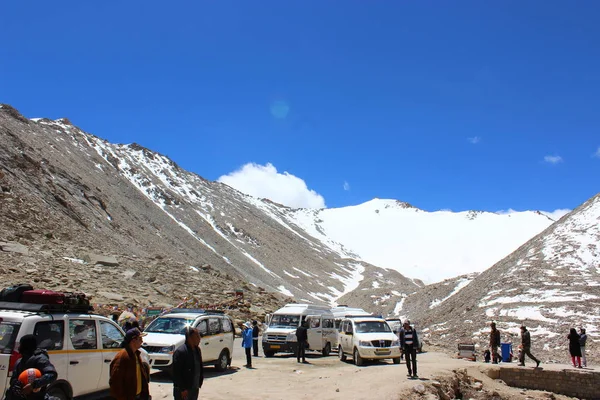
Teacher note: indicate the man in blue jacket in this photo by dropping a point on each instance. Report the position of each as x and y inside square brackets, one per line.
[247, 343]
[188, 373]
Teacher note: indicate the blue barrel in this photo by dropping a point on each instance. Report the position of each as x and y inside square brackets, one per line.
[506, 352]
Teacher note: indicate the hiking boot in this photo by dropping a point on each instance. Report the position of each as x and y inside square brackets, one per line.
[537, 364]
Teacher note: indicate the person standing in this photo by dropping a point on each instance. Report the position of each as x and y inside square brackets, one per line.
[582, 340]
[247, 343]
[574, 347]
[255, 332]
[188, 372]
[128, 377]
[409, 341]
[31, 357]
[494, 343]
[526, 347]
[302, 337]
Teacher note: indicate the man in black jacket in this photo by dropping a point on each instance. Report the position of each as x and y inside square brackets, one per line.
[410, 343]
[255, 332]
[302, 336]
[188, 373]
[32, 357]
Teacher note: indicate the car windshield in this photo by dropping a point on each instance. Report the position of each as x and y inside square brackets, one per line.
[372, 326]
[8, 333]
[285, 321]
[169, 325]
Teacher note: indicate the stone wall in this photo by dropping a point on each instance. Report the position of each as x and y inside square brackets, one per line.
[577, 383]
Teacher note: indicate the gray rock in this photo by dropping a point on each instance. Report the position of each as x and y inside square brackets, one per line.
[419, 388]
[111, 296]
[14, 248]
[109, 261]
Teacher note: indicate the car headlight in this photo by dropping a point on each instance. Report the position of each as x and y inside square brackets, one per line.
[396, 343]
[365, 343]
[291, 337]
[167, 349]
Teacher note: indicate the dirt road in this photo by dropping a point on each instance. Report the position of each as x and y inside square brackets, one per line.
[281, 377]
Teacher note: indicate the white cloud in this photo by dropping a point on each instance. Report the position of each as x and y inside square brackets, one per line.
[264, 181]
[553, 159]
[474, 139]
[556, 214]
[346, 186]
[597, 153]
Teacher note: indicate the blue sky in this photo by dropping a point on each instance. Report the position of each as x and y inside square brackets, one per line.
[447, 105]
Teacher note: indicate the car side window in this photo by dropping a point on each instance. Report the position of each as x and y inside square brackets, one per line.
[349, 327]
[327, 323]
[50, 334]
[83, 333]
[111, 335]
[227, 327]
[202, 327]
[214, 326]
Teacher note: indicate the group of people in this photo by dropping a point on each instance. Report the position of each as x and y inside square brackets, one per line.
[250, 341]
[576, 346]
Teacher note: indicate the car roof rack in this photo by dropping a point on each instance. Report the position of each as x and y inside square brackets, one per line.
[45, 308]
[195, 311]
[363, 316]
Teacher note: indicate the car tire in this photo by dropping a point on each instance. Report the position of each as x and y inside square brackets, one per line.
[327, 350]
[396, 360]
[358, 360]
[58, 393]
[341, 354]
[269, 354]
[222, 361]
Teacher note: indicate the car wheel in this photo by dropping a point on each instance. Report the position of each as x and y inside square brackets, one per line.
[397, 360]
[58, 393]
[327, 349]
[358, 361]
[222, 361]
[341, 354]
[269, 354]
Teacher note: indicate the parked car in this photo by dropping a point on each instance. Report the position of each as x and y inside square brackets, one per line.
[367, 338]
[166, 333]
[81, 345]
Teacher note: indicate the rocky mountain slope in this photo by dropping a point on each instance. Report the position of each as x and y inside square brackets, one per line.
[66, 193]
[550, 284]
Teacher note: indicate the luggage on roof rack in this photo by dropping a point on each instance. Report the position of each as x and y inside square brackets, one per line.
[14, 293]
[47, 308]
[196, 310]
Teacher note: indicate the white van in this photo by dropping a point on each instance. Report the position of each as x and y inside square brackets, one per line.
[280, 335]
[343, 311]
[81, 345]
[166, 333]
[367, 338]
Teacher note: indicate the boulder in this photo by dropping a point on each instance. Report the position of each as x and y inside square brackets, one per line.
[109, 261]
[14, 248]
[111, 296]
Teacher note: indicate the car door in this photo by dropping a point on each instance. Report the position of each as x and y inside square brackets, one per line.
[228, 335]
[50, 336]
[315, 332]
[206, 341]
[342, 338]
[85, 357]
[111, 337]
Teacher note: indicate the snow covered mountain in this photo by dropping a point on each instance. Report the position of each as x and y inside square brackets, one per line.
[550, 284]
[430, 246]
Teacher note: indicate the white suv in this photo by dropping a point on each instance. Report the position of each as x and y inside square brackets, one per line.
[367, 338]
[80, 345]
[166, 333]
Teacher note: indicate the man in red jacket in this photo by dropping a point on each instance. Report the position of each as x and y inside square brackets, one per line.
[128, 377]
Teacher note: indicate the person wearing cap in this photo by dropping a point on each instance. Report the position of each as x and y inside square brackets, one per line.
[128, 377]
[188, 373]
[247, 343]
[526, 347]
[31, 357]
[409, 341]
[494, 343]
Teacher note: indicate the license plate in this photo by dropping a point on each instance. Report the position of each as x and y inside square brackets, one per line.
[275, 346]
[382, 350]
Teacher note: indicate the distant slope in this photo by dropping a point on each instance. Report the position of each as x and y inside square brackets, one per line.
[430, 246]
[550, 284]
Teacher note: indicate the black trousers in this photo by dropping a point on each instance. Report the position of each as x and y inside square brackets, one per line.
[255, 346]
[301, 351]
[527, 350]
[248, 356]
[411, 359]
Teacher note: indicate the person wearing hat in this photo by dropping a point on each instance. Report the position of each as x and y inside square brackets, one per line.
[31, 357]
[188, 373]
[247, 343]
[409, 341]
[128, 377]
[526, 349]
